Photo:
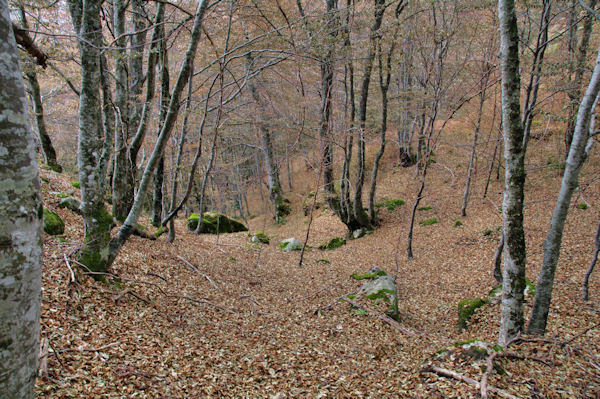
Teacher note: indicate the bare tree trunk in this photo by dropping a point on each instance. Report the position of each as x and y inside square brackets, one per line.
[578, 64]
[384, 84]
[157, 197]
[20, 228]
[512, 319]
[122, 198]
[588, 273]
[405, 157]
[578, 153]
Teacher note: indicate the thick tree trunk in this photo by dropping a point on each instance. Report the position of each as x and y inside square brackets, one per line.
[20, 228]
[575, 160]
[513, 276]
[93, 150]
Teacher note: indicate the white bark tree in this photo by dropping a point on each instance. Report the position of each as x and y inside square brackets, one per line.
[20, 228]
[513, 274]
[578, 153]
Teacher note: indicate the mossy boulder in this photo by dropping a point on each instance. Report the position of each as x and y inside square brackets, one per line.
[466, 309]
[214, 222]
[260, 237]
[70, 203]
[332, 244]
[290, 244]
[381, 289]
[53, 224]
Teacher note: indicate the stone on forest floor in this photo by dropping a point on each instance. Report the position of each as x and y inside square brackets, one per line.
[214, 222]
[290, 244]
[332, 244]
[380, 287]
[70, 203]
[358, 233]
[260, 237]
[53, 224]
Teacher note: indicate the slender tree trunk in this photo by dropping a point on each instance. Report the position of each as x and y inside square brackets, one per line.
[384, 84]
[588, 273]
[405, 116]
[157, 197]
[122, 198]
[463, 210]
[359, 213]
[513, 276]
[578, 64]
[575, 160]
[20, 228]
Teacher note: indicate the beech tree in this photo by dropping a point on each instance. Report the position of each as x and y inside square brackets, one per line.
[513, 274]
[20, 227]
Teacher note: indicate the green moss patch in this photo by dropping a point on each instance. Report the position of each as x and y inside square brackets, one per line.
[76, 184]
[424, 208]
[53, 224]
[458, 223]
[260, 237]
[332, 244]
[582, 205]
[323, 261]
[466, 309]
[428, 222]
[214, 222]
[390, 204]
[368, 275]
[161, 230]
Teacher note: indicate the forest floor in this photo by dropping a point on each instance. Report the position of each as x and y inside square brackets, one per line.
[250, 323]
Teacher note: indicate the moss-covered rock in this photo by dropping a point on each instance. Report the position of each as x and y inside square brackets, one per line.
[76, 184]
[358, 233]
[372, 275]
[260, 237]
[466, 309]
[161, 230]
[332, 244]
[214, 222]
[53, 224]
[290, 244]
[381, 289]
[70, 203]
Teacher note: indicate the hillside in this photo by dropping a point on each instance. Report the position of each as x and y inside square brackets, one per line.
[250, 323]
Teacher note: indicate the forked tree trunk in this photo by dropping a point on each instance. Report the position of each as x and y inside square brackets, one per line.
[511, 322]
[20, 228]
[578, 153]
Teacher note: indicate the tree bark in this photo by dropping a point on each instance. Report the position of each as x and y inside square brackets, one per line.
[576, 158]
[20, 227]
[512, 319]
[588, 273]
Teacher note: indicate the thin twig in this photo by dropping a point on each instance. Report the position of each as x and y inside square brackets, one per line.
[194, 268]
[468, 380]
[382, 317]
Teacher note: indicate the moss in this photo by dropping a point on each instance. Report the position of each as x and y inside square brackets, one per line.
[390, 204]
[232, 259]
[488, 232]
[466, 309]
[260, 237]
[582, 206]
[53, 224]
[368, 275]
[323, 261]
[332, 244]
[351, 296]
[381, 294]
[465, 342]
[428, 222]
[529, 288]
[76, 184]
[495, 292]
[211, 220]
[283, 244]
[358, 312]
[161, 230]
[43, 179]
[458, 223]
[424, 208]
